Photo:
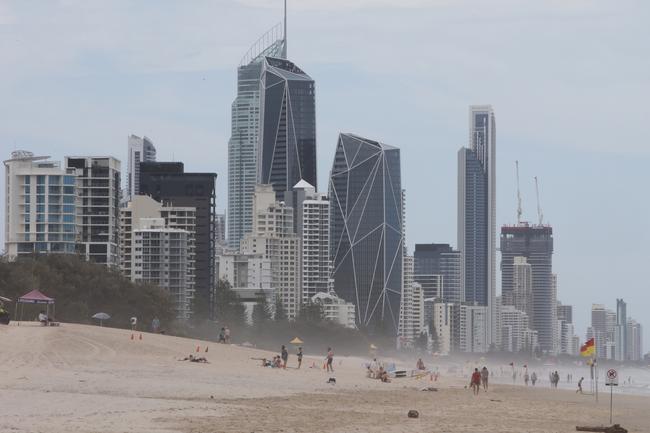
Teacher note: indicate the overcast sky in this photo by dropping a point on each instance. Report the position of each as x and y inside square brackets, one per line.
[569, 81]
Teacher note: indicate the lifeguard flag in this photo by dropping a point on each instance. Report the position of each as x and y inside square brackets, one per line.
[589, 348]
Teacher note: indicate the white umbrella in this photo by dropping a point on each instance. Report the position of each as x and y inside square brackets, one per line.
[101, 317]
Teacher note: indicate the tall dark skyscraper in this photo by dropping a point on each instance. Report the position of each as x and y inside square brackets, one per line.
[287, 139]
[245, 127]
[169, 183]
[440, 259]
[535, 243]
[366, 235]
[477, 214]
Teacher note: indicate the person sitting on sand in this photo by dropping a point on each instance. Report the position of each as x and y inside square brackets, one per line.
[420, 364]
[42, 317]
[383, 375]
[277, 363]
[199, 359]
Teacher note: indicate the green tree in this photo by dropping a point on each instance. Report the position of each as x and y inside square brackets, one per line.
[435, 343]
[422, 341]
[311, 313]
[229, 309]
[262, 311]
[280, 315]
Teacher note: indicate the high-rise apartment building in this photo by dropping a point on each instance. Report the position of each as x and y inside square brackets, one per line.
[274, 237]
[412, 316]
[287, 138]
[564, 312]
[311, 220]
[535, 244]
[477, 214]
[443, 323]
[443, 261]
[473, 327]
[41, 206]
[168, 182]
[244, 136]
[141, 149]
[143, 220]
[366, 233]
[620, 336]
[98, 187]
[634, 340]
[514, 324]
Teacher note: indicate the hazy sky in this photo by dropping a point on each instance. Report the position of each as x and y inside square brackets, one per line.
[569, 81]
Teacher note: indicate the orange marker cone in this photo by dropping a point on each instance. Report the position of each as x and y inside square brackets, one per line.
[198, 349]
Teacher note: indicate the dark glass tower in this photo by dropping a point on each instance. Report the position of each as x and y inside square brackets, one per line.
[168, 182]
[535, 243]
[287, 138]
[366, 230]
[477, 214]
[440, 259]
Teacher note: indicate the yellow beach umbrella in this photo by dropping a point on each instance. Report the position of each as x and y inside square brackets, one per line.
[296, 341]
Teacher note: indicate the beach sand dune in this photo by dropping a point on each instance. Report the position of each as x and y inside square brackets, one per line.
[79, 378]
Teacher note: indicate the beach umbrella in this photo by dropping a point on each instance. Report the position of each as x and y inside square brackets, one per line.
[296, 341]
[373, 347]
[101, 317]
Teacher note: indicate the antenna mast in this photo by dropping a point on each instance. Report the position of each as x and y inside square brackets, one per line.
[284, 36]
[540, 215]
[519, 211]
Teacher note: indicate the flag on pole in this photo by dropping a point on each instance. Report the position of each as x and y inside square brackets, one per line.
[589, 348]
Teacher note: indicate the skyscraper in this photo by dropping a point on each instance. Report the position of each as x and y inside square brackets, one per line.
[287, 138]
[140, 150]
[477, 213]
[41, 206]
[621, 330]
[245, 122]
[168, 182]
[443, 260]
[98, 186]
[366, 232]
[535, 244]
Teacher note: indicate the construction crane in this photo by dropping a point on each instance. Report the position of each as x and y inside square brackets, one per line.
[519, 211]
[540, 215]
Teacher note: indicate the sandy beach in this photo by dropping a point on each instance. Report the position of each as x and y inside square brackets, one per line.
[88, 379]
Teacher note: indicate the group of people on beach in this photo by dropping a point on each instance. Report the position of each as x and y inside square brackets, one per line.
[479, 378]
[224, 335]
[281, 360]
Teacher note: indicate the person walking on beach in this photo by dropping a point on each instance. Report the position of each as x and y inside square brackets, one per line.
[299, 357]
[475, 381]
[533, 378]
[330, 359]
[226, 335]
[155, 325]
[526, 378]
[485, 375]
[579, 390]
[285, 356]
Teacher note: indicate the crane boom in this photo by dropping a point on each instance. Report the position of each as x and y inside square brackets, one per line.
[540, 215]
[519, 211]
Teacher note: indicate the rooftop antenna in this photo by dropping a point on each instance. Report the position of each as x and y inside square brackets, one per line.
[519, 211]
[540, 215]
[284, 36]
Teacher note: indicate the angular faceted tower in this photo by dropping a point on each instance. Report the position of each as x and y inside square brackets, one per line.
[366, 233]
[287, 140]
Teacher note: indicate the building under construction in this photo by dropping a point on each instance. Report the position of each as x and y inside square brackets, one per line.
[535, 244]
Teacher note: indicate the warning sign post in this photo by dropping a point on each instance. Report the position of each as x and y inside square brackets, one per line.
[612, 381]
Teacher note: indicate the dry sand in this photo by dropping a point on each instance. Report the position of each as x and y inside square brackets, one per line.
[88, 379]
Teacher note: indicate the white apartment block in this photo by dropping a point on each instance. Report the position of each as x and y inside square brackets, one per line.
[514, 325]
[273, 237]
[140, 150]
[443, 314]
[336, 309]
[41, 206]
[634, 340]
[412, 315]
[313, 227]
[473, 328]
[98, 189]
[522, 285]
[139, 213]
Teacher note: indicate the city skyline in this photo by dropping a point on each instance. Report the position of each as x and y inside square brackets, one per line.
[558, 166]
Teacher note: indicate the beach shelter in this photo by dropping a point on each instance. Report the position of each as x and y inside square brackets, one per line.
[35, 297]
[296, 341]
[101, 317]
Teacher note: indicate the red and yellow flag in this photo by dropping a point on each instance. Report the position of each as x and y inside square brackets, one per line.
[589, 348]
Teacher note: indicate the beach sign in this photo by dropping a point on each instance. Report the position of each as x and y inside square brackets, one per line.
[612, 378]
